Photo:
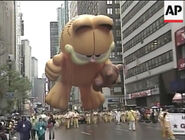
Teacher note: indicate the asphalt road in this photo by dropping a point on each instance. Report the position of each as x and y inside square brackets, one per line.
[111, 131]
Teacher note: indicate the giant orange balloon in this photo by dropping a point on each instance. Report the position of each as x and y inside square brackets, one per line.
[86, 43]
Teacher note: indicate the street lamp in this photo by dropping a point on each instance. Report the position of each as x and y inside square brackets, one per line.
[9, 68]
[125, 91]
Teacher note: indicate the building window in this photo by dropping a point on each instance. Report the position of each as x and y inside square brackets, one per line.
[142, 35]
[183, 51]
[117, 11]
[144, 84]
[125, 6]
[143, 18]
[116, 1]
[152, 63]
[118, 33]
[109, 2]
[109, 11]
[151, 46]
[118, 42]
[133, 12]
[117, 22]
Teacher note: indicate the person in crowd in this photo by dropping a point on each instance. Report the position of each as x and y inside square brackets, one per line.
[131, 118]
[95, 117]
[58, 121]
[161, 120]
[2, 131]
[147, 115]
[71, 114]
[88, 118]
[105, 116]
[109, 116]
[75, 119]
[33, 120]
[40, 127]
[137, 115]
[51, 124]
[123, 116]
[11, 128]
[24, 128]
[165, 125]
[154, 116]
[142, 114]
[67, 118]
[118, 117]
[126, 112]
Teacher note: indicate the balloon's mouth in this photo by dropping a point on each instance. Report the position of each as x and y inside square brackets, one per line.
[81, 59]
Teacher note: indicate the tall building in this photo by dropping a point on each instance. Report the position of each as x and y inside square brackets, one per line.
[38, 90]
[7, 32]
[180, 51]
[54, 39]
[19, 33]
[148, 52]
[66, 7]
[34, 67]
[26, 59]
[178, 37]
[111, 9]
[62, 16]
[34, 75]
[88, 7]
[73, 12]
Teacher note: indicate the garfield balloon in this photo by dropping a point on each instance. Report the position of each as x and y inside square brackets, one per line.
[86, 43]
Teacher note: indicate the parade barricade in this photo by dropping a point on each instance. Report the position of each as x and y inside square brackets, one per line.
[177, 121]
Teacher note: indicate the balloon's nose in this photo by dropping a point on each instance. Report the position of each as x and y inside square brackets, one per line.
[93, 59]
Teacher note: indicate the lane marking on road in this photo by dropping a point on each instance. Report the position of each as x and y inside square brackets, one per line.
[86, 133]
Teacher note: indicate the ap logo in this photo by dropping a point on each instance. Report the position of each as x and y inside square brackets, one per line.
[173, 11]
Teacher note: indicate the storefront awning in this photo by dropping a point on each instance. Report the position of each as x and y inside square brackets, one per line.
[178, 85]
[177, 97]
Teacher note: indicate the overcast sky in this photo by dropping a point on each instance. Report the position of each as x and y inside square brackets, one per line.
[37, 16]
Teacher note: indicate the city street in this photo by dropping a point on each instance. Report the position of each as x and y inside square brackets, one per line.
[106, 131]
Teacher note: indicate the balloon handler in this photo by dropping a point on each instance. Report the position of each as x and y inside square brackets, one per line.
[83, 61]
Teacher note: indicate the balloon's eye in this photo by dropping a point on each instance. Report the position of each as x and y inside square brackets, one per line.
[88, 55]
[82, 28]
[106, 26]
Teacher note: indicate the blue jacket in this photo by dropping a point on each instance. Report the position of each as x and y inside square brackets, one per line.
[24, 127]
[40, 127]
